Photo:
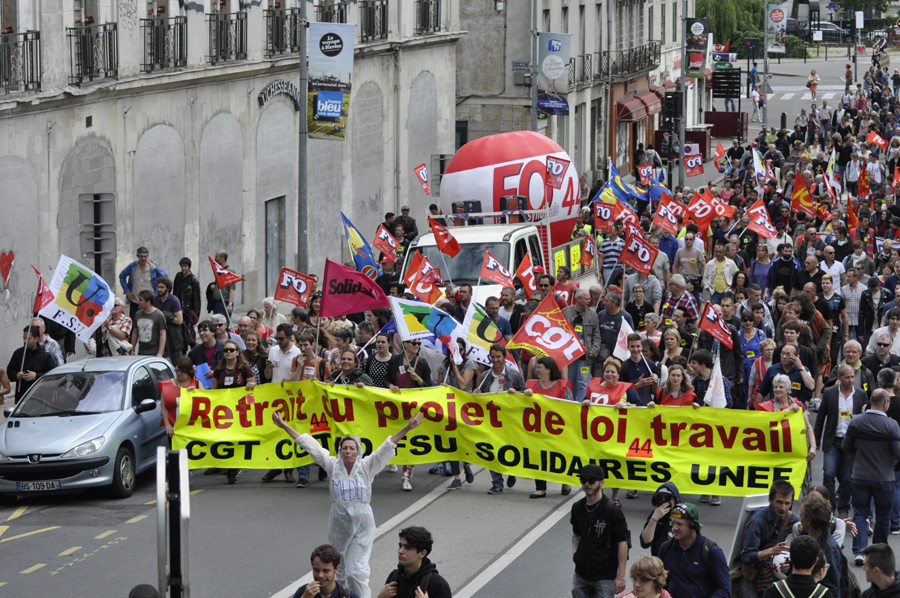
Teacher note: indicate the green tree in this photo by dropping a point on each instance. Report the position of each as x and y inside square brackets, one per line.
[722, 18]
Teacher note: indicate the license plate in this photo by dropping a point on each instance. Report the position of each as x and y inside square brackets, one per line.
[37, 486]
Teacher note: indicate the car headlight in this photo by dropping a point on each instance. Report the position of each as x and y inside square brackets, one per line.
[87, 448]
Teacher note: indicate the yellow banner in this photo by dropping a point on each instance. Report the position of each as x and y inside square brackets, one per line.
[704, 451]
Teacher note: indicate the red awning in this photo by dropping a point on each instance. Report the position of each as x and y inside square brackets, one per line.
[651, 102]
[659, 91]
[630, 110]
[669, 84]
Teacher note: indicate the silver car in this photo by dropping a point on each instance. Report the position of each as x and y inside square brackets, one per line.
[89, 423]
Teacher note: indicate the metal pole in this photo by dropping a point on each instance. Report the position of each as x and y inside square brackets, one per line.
[534, 65]
[302, 215]
[765, 114]
[175, 496]
[682, 176]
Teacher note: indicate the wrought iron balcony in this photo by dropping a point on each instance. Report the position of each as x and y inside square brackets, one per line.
[625, 64]
[586, 68]
[227, 37]
[572, 72]
[428, 16]
[373, 20]
[93, 53]
[335, 12]
[20, 62]
[282, 31]
[165, 43]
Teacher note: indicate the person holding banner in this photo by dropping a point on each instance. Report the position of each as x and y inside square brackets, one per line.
[171, 393]
[233, 372]
[349, 372]
[549, 383]
[351, 524]
[409, 370]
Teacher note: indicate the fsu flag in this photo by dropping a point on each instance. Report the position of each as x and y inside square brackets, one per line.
[525, 273]
[638, 252]
[877, 140]
[801, 202]
[445, 241]
[494, 271]
[556, 171]
[294, 287]
[713, 324]
[81, 299]
[44, 294]
[347, 291]
[224, 277]
[422, 175]
[760, 223]
[645, 171]
[666, 215]
[693, 165]
[547, 333]
[588, 249]
[385, 242]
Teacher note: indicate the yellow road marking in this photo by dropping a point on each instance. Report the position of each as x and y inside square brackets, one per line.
[3, 528]
[70, 551]
[37, 531]
[136, 519]
[104, 534]
[2, 583]
[196, 491]
[152, 502]
[33, 569]
[17, 513]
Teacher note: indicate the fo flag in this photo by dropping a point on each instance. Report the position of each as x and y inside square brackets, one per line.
[720, 152]
[667, 214]
[547, 333]
[603, 216]
[412, 268]
[703, 209]
[385, 242]
[525, 273]
[588, 249]
[44, 295]
[638, 252]
[556, 171]
[760, 222]
[294, 287]
[877, 140]
[713, 324]
[424, 284]
[224, 278]
[445, 241]
[645, 171]
[347, 291]
[422, 175]
[693, 165]
[81, 299]
[494, 271]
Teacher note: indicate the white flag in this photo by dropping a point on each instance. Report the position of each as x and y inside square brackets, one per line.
[715, 392]
[82, 301]
[621, 350]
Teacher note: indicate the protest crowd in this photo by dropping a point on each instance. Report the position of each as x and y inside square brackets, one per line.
[773, 290]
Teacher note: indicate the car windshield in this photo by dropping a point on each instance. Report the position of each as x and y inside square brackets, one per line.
[466, 265]
[77, 393]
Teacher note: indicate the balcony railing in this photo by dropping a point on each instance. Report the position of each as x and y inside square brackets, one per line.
[586, 70]
[373, 20]
[331, 13]
[428, 16]
[93, 53]
[625, 64]
[282, 31]
[165, 43]
[20, 62]
[227, 37]
[572, 72]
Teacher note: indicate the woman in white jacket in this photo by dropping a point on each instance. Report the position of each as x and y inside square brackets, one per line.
[351, 525]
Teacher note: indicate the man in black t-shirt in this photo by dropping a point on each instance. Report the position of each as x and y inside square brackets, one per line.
[599, 539]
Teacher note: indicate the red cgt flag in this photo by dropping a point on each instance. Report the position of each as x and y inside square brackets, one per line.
[494, 271]
[822, 213]
[445, 241]
[224, 277]
[638, 252]
[863, 190]
[896, 181]
[547, 333]
[44, 295]
[713, 324]
[347, 291]
[802, 202]
[877, 140]
[525, 273]
[588, 249]
[760, 222]
[294, 287]
[385, 242]
[720, 152]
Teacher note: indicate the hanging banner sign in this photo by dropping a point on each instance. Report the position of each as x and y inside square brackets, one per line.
[330, 69]
[776, 22]
[553, 72]
[696, 47]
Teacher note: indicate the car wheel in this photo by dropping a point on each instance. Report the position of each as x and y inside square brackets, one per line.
[124, 474]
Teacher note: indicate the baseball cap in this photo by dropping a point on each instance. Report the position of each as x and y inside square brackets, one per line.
[689, 513]
[592, 471]
[388, 259]
[538, 270]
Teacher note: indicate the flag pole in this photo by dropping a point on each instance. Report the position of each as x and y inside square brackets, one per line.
[446, 267]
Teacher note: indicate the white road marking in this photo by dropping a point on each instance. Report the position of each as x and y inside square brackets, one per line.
[828, 96]
[787, 96]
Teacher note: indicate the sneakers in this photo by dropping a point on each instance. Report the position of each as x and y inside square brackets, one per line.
[704, 498]
[895, 531]
[871, 526]
[407, 485]
[814, 404]
[302, 483]
[233, 475]
[393, 468]
[470, 477]
[715, 500]
[454, 485]
[212, 471]
[271, 475]
[447, 471]
[323, 475]
[510, 482]
[631, 494]
[496, 489]
[289, 477]
[437, 469]
[859, 560]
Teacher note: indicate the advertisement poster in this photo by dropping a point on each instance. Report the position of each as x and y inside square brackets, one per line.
[776, 23]
[553, 73]
[330, 70]
[696, 48]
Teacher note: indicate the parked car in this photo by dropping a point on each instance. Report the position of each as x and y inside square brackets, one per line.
[793, 27]
[831, 33]
[85, 424]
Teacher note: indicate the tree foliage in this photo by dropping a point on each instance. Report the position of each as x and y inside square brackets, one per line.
[728, 18]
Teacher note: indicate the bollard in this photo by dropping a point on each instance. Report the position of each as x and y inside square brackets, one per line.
[783, 121]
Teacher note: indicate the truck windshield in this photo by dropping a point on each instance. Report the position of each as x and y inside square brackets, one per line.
[466, 266]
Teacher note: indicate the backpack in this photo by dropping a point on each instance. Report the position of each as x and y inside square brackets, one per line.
[786, 592]
[704, 553]
[606, 512]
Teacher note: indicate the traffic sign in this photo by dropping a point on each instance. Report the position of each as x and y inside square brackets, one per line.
[898, 23]
[832, 6]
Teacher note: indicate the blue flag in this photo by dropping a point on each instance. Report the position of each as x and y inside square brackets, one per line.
[362, 253]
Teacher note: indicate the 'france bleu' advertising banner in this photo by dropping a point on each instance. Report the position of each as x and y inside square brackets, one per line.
[553, 72]
[330, 70]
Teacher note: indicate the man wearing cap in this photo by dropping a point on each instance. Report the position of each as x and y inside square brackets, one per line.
[599, 540]
[388, 275]
[411, 231]
[691, 572]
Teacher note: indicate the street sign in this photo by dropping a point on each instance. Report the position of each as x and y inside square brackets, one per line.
[723, 66]
[860, 15]
[724, 56]
[817, 36]
[898, 23]
[832, 6]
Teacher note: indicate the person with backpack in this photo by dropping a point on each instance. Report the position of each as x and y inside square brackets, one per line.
[696, 564]
[599, 539]
[801, 583]
[415, 575]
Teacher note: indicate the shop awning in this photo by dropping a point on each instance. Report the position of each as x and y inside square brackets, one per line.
[660, 91]
[651, 102]
[630, 110]
[669, 84]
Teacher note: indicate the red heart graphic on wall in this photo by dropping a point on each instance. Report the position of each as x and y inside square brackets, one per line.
[7, 259]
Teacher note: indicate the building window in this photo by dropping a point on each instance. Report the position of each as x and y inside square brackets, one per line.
[165, 43]
[275, 243]
[227, 36]
[564, 26]
[428, 16]
[675, 23]
[545, 18]
[373, 20]
[331, 11]
[20, 61]
[93, 52]
[662, 27]
[649, 22]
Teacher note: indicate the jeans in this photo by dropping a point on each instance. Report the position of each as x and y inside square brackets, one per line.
[580, 377]
[219, 308]
[838, 464]
[732, 109]
[582, 588]
[864, 492]
[303, 473]
[715, 297]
